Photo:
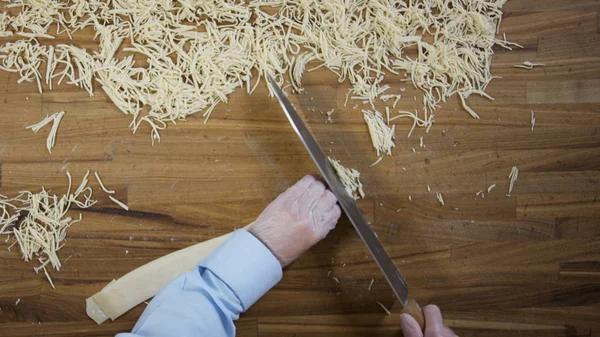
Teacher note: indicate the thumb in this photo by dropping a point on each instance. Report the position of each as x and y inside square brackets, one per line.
[410, 327]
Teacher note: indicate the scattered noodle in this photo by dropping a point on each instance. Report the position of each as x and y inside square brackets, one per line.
[52, 135]
[387, 311]
[425, 122]
[36, 127]
[377, 161]
[466, 107]
[116, 201]
[329, 113]
[532, 120]
[102, 184]
[48, 278]
[440, 198]
[513, 176]
[528, 65]
[396, 98]
[51, 139]
[491, 187]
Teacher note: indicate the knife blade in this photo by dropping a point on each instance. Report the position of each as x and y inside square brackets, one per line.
[348, 204]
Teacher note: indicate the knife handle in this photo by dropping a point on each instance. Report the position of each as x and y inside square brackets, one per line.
[414, 309]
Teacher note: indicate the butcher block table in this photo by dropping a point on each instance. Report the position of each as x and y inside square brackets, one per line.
[524, 265]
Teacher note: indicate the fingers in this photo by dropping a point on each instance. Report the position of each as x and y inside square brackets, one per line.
[299, 187]
[326, 202]
[312, 195]
[433, 317]
[434, 326]
[334, 215]
[327, 223]
[331, 219]
[410, 327]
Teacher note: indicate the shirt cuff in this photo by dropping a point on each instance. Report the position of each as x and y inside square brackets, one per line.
[246, 265]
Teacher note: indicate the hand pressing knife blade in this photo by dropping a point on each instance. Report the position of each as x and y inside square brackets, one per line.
[368, 236]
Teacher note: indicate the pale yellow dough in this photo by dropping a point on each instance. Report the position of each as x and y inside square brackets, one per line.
[143, 283]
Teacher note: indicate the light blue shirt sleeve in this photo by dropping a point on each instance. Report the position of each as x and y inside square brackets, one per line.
[206, 301]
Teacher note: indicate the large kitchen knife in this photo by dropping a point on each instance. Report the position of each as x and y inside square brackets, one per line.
[366, 233]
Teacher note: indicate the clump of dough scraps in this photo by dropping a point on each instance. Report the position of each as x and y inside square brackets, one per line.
[196, 53]
[382, 135]
[38, 222]
[350, 179]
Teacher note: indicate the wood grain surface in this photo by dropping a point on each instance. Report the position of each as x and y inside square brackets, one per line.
[526, 265]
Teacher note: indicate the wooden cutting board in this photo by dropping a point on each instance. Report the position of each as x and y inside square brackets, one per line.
[498, 266]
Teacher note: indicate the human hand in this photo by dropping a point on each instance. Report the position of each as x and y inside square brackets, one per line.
[298, 219]
[434, 327]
